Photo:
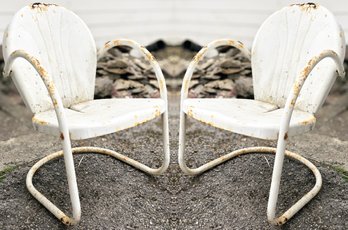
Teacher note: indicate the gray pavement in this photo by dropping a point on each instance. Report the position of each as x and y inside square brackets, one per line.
[231, 196]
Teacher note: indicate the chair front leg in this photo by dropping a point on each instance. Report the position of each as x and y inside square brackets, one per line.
[72, 183]
[283, 137]
[275, 184]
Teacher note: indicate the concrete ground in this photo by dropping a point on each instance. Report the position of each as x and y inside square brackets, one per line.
[231, 196]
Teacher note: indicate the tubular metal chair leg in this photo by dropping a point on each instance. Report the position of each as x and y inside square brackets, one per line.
[68, 152]
[279, 152]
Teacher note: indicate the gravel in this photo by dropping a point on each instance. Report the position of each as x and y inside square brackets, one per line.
[116, 196]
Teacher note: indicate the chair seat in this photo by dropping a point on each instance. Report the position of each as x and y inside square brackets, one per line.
[100, 117]
[248, 117]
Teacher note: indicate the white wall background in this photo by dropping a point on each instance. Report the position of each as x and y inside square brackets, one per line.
[148, 20]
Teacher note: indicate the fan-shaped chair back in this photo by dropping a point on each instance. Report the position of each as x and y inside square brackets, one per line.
[64, 46]
[284, 44]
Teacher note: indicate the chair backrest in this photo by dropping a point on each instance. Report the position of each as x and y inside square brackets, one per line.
[63, 44]
[284, 44]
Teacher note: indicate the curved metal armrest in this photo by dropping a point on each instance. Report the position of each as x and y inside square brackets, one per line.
[300, 80]
[147, 55]
[199, 56]
[54, 95]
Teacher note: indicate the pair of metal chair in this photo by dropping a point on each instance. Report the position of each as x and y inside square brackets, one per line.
[51, 56]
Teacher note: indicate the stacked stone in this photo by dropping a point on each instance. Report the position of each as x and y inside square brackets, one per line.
[227, 74]
[120, 74]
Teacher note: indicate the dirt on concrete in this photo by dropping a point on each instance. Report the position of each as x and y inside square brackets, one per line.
[116, 196]
[231, 196]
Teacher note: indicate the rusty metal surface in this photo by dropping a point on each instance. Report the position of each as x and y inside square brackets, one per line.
[284, 121]
[292, 33]
[67, 151]
[41, 6]
[247, 117]
[63, 124]
[75, 77]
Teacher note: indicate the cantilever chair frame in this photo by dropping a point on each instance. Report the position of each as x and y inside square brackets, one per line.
[280, 151]
[68, 151]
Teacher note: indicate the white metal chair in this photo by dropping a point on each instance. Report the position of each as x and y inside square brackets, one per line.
[51, 56]
[294, 58]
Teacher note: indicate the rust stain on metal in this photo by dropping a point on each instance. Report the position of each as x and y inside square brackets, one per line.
[240, 43]
[37, 121]
[66, 220]
[157, 112]
[306, 6]
[286, 136]
[186, 84]
[231, 43]
[237, 44]
[304, 74]
[109, 44]
[116, 42]
[41, 6]
[61, 136]
[161, 84]
[281, 220]
[55, 103]
[191, 114]
[149, 56]
[207, 122]
[142, 122]
[309, 121]
[308, 68]
[38, 66]
[200, 54]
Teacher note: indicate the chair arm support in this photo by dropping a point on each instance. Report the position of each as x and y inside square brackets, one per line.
[145, 53]
[300, 80]
[199, 56]
[283, 138]
[47, 80]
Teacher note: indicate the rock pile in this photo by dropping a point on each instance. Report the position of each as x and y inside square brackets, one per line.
[120, 74]
[228, 74]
